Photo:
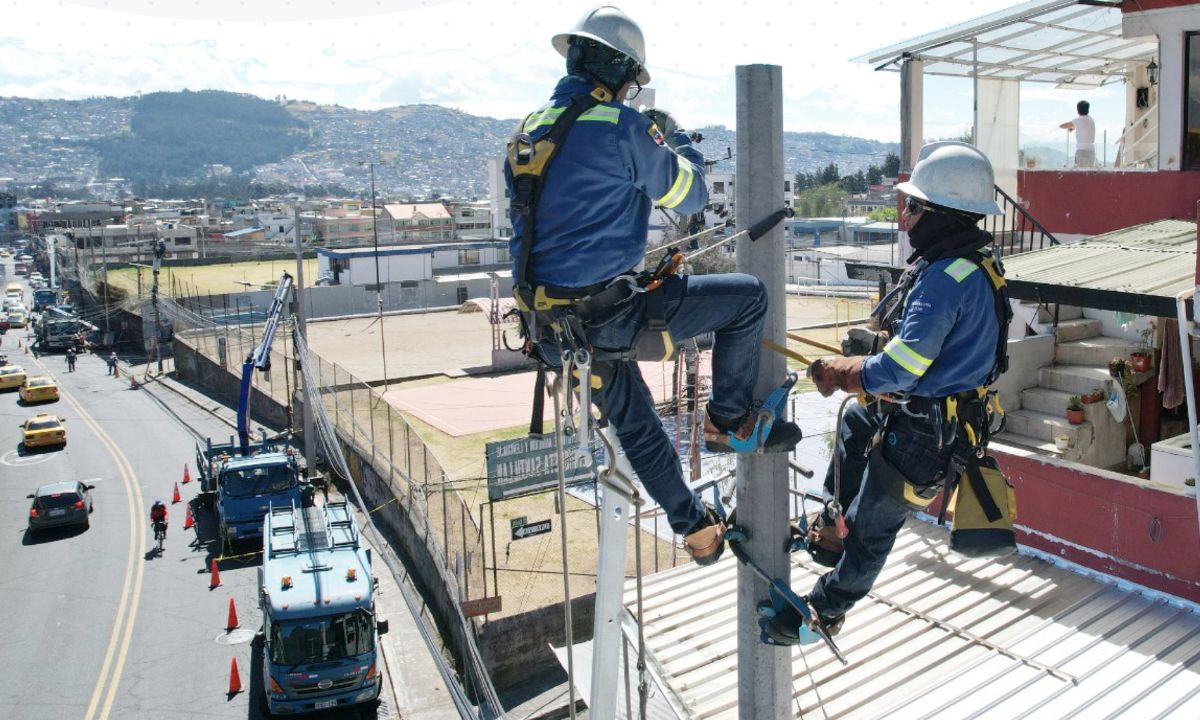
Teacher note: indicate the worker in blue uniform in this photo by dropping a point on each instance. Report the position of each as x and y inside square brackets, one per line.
[590, 228]
[943, 344]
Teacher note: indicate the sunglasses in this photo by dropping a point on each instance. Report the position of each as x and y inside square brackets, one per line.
[915, 206]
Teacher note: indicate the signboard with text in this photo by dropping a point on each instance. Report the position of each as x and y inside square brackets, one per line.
[530, 464]
[541, 527]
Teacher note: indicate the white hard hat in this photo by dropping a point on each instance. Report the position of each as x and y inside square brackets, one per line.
[609, 26]
[955, 175]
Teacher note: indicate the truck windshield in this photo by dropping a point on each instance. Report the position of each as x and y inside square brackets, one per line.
[322, 639]
[250, 482]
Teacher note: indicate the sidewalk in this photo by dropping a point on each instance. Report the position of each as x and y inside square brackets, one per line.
[417, 687]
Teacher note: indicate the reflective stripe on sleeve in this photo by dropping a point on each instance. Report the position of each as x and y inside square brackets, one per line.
[906, 357]
[679, 190]
[960, 269]
[543, 117]
[602, 113]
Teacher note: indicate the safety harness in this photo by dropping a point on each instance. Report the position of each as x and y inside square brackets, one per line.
[964, 422]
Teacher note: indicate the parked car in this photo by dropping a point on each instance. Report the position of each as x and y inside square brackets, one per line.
[42, 430]
[16, 320]
[39, 389]
[61, 503]
[11, 377]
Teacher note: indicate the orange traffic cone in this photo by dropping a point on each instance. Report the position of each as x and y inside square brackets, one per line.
[232, 623]
[188, 520]
[175, 497]
[133, 383]
[187, 476]
[235, 680]
[215, 580]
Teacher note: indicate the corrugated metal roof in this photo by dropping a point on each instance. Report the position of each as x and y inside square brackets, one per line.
[1071, 42]
[942, 636]
[1157, 258]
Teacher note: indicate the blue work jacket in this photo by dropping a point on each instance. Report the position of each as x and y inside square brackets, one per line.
[947, 335]
[592, 218]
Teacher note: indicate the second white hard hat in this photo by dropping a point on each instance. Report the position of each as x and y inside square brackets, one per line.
[955, 175]
[609, 26]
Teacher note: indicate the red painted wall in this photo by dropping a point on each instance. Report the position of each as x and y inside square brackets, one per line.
[1114, 518]
[1140, 5]
[1090, 203]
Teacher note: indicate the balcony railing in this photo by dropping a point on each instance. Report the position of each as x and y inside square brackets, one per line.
[1015, 230]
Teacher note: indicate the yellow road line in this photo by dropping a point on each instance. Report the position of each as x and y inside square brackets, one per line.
[134, 571]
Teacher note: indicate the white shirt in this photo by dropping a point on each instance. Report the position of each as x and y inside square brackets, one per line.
[1085, 131]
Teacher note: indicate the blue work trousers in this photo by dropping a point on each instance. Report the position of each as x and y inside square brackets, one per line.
[729, 305]
[873, 515]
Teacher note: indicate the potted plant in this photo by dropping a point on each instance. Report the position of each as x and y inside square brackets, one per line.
[1075, 410]
[1116, 367]
[1062, 442]
[1141, 359]
[1095, 395]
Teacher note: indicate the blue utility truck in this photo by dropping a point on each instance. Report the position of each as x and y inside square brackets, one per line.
[320, 634]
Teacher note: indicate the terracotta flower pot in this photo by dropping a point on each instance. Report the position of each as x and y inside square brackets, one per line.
[1140, 361]
[1075, 417]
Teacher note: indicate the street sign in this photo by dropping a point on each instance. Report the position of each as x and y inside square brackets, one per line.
[518, 522]
[482, 606]
[530, 464]
[541, 527]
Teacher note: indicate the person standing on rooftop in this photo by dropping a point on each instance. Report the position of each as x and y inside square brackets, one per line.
[1085, 135]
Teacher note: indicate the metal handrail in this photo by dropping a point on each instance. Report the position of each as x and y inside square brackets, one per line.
[1015, 230]
[1151, 114]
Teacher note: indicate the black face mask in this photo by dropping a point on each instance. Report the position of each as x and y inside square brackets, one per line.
[600, 63]
[943, 234]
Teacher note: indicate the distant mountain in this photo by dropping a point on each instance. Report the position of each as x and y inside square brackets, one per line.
[1044, 156]
[421, 150]
[179, 135]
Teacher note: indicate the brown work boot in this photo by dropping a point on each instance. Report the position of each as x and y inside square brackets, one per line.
[707, 541]
[735, 436]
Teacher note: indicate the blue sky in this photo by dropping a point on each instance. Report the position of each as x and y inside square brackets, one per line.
[494, 58]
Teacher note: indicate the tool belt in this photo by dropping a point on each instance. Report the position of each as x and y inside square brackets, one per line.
[984, 508]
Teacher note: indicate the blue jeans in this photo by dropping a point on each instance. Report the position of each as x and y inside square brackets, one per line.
[730, 305]
[874, 517]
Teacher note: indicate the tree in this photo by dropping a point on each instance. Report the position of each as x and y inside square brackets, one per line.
[874, 175]
[887, 214]
[830, 174]
[891, 165]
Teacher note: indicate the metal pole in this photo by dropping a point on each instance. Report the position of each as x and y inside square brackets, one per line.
[378, 282]
[310, 441]
[764, 673]
[495, 563]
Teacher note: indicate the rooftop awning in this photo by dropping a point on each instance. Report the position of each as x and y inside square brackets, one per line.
[1138, 270]
[1065, 42]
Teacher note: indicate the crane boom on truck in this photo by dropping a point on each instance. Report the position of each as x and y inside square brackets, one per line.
[260, 359]
[240, 485]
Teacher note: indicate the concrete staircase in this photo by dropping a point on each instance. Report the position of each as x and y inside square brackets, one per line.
[1080, 364]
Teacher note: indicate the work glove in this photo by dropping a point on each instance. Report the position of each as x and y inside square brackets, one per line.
[666, 124]
[860, 341]
[837, 373]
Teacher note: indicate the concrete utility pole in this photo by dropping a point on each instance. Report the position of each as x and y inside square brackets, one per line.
[764, 671]
[310, 438]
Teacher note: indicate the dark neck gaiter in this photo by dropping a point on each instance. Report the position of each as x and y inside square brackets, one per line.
[938, 235]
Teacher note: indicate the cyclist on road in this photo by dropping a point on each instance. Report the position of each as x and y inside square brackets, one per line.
[158, 516]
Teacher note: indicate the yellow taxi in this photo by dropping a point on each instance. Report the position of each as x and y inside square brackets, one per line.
[39, 389]
[42, 430]
[5, 252]
[16, 320]
[11, 376]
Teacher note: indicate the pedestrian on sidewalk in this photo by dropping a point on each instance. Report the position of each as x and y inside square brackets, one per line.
[112, 363]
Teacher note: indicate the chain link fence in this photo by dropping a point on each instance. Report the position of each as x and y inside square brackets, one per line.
[378, 432]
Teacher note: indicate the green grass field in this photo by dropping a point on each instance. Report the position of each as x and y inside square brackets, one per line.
[216, 279]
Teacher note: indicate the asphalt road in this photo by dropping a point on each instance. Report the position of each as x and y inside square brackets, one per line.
[96, 624]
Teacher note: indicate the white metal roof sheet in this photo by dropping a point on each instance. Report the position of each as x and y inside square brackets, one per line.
[1157, 258]
[1056, 41]
[942, 636]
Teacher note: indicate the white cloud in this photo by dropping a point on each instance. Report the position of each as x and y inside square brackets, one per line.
[486, 58]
